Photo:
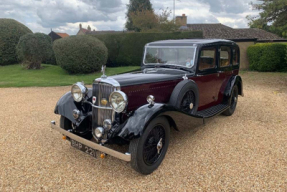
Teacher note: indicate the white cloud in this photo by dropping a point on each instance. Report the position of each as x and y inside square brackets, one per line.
[66, 15]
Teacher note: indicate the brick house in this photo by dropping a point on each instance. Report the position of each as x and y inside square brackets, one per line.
[56, 35]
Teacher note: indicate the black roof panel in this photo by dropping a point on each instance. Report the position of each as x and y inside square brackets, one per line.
[189, 42]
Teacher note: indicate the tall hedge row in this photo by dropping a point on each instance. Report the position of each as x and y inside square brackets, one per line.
[10, 33]
[268, 57]
[126, 49]
[80, 54]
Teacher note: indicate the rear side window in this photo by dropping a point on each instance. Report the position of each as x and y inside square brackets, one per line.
[225, 56]
[235, 56]
[207, 58]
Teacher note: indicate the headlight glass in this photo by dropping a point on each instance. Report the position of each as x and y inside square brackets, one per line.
[118, 101]
[78, 91]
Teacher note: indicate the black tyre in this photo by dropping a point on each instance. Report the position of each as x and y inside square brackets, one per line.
[66, 124]
[148, 151]
[232, 101]
[185, 97]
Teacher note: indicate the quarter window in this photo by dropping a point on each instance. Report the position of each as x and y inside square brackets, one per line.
[235, 56]
[225, 56]
[207, 58]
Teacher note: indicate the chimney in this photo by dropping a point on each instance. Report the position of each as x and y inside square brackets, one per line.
[181, 20]
[80, 26]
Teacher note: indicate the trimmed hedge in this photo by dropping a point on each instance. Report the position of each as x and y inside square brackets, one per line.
[80, 54]
[10, 33]
[267, 57]
[33, 49]
[126, 49]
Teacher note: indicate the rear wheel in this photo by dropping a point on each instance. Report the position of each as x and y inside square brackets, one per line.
[148, 151]
[232, 102]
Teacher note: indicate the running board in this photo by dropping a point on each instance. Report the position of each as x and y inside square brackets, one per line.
[212, 111]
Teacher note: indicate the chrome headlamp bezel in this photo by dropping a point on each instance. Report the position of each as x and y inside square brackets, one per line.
[83, 91]
[125, 100]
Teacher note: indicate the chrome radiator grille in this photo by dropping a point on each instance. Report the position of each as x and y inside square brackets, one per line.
[102, 90]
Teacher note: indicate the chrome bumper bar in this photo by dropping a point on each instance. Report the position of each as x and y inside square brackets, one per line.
[111, 152]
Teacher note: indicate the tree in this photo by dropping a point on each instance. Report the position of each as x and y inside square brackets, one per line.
[33, 49]
[10, 33]
[272, 18]
[148, 21]
[136, 6]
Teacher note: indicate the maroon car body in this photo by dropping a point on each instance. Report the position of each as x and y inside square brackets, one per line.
[181, 83]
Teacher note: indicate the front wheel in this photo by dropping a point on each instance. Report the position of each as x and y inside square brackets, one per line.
[148, 151]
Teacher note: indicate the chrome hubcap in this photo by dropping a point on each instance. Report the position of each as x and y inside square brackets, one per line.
[159, 146]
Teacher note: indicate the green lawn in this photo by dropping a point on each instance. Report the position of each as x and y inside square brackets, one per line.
[50, 75]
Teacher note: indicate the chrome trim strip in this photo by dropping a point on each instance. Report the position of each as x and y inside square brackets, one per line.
[111, 152]
[98, 107]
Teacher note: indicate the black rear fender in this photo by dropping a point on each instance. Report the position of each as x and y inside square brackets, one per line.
[234, 80]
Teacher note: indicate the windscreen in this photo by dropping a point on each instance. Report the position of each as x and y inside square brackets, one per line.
[180, 56]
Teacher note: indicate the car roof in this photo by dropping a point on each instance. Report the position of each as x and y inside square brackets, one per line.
[189, 42]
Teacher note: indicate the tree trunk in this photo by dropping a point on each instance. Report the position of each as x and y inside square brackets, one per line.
[33, 65]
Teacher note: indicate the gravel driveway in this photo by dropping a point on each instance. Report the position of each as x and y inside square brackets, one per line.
[244, 152]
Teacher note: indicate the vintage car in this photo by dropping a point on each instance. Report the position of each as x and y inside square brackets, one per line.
[181, 83]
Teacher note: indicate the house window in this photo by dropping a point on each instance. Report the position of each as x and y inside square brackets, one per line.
[225, 56]
[235, 56]
[207, 58]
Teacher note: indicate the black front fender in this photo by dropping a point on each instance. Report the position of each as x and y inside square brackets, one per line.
[137, 123]
[66, 105]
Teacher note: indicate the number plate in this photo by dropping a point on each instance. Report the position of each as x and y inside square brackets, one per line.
[83, 148]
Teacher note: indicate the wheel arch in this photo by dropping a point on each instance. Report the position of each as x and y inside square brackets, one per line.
[66, 105]
[234, 80]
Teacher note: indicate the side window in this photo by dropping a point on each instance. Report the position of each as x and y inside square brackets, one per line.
[235, 56]
[225, 56]
[207, 58]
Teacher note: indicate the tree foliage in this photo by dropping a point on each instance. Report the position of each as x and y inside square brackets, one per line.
[80, 54]
[10, 33]
[273, 16]
[148, 21]
[33, 49]
[134, 6]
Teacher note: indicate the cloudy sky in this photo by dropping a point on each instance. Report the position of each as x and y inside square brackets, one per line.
[66, 15]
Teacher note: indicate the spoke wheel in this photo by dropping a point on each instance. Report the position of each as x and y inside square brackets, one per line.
[153, 145]
[187, 103]
[148, 151]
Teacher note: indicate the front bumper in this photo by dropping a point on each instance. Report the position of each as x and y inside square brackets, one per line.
[111, 152]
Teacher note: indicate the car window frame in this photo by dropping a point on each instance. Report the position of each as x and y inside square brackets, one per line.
[238, 53]
[230, 59]
[210, 70]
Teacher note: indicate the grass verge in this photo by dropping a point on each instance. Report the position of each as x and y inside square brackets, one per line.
[49, 76]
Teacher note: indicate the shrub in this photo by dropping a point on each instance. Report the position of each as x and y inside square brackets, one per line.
[33, 49]
[267, 57]
[126, 49]
[10, 33]
[80, 54]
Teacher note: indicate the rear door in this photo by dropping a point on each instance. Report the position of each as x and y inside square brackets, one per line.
[207, 76]
[224, 69]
